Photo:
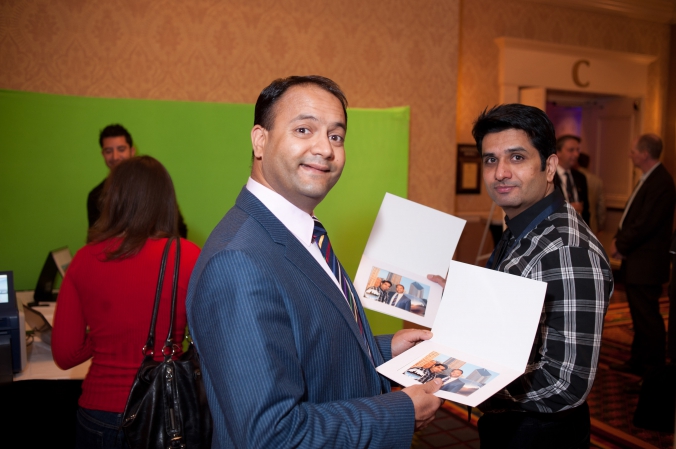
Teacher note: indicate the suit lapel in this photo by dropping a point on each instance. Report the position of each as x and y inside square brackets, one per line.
[303, 260]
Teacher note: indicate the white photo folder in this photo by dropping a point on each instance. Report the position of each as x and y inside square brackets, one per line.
[408, 241]
[483, 333]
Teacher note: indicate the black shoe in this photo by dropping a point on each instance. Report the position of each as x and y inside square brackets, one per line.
[626, 368]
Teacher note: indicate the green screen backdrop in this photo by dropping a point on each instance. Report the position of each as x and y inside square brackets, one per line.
[50, 160]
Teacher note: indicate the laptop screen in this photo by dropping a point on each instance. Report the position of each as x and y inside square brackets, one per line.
[7, 295]
[4, 289]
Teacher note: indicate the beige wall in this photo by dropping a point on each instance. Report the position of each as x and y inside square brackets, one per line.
[438, 56]
[385, 53]
[484, 20]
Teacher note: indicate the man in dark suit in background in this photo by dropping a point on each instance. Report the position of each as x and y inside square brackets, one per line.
[116, 146]
[571, 182]
[315, 382]
[642, 242]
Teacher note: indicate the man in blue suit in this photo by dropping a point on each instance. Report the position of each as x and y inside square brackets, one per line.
[399, 299]
[263, 289]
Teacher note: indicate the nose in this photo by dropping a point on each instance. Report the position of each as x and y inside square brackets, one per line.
[502, 171]
[322, 147]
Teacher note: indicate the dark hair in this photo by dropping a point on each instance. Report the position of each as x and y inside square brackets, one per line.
[533, 121]
[583, 160]
[115, 131]
[264, 114]
[400, 285]
[458, 370]
[650, 143]
[561, 141]
[138, 203]
[385, 280]
[441, 364]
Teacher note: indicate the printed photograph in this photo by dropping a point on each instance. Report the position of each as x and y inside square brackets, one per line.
[458, 376]
[397, 291]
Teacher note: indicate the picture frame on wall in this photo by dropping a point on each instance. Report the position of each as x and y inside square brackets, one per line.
[468, 179]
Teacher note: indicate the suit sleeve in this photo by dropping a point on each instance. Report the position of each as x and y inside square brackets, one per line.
[656, 206]
[245, 335]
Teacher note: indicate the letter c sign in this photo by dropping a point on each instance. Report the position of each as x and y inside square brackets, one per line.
[576, 73]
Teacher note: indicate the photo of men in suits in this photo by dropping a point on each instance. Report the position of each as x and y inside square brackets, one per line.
[642, 242]
[380, 290]
[297, 311]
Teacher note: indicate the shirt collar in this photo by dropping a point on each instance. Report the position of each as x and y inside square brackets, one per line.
[517, 224]
[646, 174]
[296, 220]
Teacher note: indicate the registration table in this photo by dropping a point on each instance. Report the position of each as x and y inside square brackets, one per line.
[40, 364]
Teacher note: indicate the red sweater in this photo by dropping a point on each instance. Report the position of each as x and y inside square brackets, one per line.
[114, 299]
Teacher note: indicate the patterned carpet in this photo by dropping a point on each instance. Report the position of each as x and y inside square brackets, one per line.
[612, 408]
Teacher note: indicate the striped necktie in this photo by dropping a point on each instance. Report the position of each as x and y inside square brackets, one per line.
[320, 236]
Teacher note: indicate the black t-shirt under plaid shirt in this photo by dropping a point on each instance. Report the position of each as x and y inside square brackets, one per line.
[563, 252]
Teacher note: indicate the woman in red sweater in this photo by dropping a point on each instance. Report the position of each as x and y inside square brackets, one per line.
[106, 299]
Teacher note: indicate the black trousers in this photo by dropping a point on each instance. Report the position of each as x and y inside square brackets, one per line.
[671, 335]
[524, 430]
[648, 349]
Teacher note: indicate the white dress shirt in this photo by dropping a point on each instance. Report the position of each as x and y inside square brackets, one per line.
[298, 222]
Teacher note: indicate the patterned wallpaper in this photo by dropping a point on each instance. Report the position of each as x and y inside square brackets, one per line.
[437, 56]
[385, 53]
[484, 20]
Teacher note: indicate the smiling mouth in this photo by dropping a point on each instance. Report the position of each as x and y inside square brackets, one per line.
[317, 168]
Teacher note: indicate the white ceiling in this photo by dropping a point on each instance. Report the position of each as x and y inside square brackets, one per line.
[660, 11]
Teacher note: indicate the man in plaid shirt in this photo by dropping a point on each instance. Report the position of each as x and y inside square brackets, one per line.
[548, 241]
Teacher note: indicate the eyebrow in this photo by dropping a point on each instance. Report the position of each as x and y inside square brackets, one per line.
[508, 150]
[313, 118]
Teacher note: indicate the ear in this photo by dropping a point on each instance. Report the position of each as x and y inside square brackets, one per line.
[133, 151]
[550, 167]
[259, 137]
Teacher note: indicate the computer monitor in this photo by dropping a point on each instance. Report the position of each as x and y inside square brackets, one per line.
[57, 263]
[12, 330]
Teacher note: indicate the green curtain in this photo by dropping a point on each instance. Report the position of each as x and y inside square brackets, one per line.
[50, 159]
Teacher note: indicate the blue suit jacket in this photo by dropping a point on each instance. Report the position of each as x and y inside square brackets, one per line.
[404, 303]
[283, 359]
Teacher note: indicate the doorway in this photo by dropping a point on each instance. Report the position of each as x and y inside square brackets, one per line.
[607, 126]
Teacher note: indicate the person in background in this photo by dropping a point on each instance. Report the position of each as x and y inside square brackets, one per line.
[571, 183]
[642, 243]
[106, 298]
[116, 146]
[597, 202]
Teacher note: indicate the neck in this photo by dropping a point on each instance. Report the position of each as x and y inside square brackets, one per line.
[650, 163]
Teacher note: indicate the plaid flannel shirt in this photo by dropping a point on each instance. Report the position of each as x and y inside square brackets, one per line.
[563, 252]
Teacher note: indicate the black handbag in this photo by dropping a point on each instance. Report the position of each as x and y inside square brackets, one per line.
[167, 405]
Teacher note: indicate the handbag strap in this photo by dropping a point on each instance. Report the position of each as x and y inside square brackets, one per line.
[168, 349]
[149, 347]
